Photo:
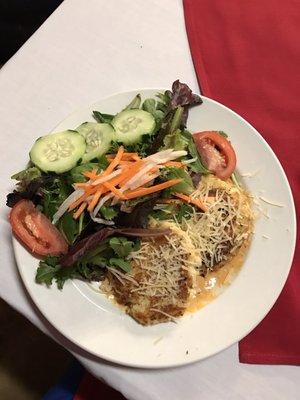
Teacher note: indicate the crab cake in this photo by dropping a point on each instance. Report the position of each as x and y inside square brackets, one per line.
[224, 228]
[162, 278]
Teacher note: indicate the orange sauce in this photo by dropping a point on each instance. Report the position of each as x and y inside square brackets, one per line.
[210, 286]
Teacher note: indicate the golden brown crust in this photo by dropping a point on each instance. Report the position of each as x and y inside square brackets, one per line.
[166, 270]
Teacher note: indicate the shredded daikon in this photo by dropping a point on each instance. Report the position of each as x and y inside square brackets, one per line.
[66, 204]
[107, 178]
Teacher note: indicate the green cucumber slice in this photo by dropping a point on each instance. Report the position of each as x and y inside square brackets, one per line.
[58, 152]
[131, 125]
[98, 139]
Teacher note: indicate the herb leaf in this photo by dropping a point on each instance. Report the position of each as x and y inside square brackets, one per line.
[150, 105]
[186, 186]
[197, 165]
[108, 212]
[121, 246]
[26, 176]
[176, 141]
[102, 118]
[135, 103]
[47, 270]
[184, 211]
[69, 227]
[121, 263]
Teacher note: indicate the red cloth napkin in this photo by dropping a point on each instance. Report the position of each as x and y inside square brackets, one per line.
[247, 56]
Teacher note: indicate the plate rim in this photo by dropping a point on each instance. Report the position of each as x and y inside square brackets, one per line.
[253, 325]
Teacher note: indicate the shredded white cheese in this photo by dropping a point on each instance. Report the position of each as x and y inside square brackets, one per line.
[226, 225]
[250, 174]
[272, 203]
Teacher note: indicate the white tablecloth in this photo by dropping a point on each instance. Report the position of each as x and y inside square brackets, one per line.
[86, 50]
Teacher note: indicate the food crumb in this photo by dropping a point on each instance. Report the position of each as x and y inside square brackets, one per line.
[272, 203]
[266, 237]
[187, 352]
[158, 340]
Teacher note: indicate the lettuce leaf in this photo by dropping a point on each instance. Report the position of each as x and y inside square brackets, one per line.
[186, 186]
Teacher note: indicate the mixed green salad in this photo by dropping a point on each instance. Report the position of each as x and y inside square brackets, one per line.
[85, 200]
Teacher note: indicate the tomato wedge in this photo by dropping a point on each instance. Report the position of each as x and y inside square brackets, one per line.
[36, 231]
[216, 153]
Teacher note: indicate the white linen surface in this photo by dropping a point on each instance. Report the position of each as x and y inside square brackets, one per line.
[85, 51]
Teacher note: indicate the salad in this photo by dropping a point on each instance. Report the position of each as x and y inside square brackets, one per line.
[126, 200]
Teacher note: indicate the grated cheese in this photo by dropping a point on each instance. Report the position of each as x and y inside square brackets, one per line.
[272, 203]
[163, 267]
[251, 174]
[220, 231]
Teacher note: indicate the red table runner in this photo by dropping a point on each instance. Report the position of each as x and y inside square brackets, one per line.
[247, 56]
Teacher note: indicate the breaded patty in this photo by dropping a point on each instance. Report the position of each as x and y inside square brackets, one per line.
[219, 233]
[163, 271]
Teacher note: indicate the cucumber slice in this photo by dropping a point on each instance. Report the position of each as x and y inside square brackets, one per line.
[58, 152]
[131, 125]
[98, 139]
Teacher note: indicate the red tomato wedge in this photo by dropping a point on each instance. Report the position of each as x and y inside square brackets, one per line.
[216, 153]
[35, 230]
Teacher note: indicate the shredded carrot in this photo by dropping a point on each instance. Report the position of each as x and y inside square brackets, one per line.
[191, 200]
[88, 192]
[115, 161]
[131, 171]
[90, 174]
[129, 165]
[81, 185]
[136, 157]
[95, 199]
[127, 162]
[177, 164]
[125, 156]
[153, 170]
[113, 189]
[131, 194]
[80, 210]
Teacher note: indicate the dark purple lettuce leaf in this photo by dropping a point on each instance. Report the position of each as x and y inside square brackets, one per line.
[138, 217]
[176, 115]
[196, 178]
[182, 95]
[30, 193]
[77, 251]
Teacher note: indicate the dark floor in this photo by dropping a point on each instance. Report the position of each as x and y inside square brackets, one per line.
[30, 362]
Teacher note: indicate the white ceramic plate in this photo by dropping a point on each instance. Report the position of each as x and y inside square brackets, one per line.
[93, 323]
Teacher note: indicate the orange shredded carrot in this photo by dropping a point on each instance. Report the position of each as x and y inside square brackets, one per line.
[126, 162]
[191, 200]
[136, 157]
[95, 199]
[131, 171]
[115, 162]
[81, 185]
[113, 189]
[153, 170]
[90, 174]
[131, 194]
[88, 192]
[79, 211]
[125, 157]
